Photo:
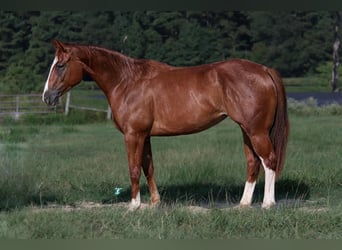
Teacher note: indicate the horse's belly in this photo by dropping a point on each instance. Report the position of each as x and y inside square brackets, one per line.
[185, 125]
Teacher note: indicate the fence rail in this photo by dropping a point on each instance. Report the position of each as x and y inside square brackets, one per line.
[68, 105]
[16, 105]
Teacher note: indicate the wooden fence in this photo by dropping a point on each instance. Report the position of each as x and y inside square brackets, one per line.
[68, 105]
[17, 105]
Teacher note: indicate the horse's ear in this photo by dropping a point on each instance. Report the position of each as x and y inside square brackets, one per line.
[59, 45]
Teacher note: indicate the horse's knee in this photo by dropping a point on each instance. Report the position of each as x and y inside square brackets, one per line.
[264, 149]
[135, 173]
[270, 161]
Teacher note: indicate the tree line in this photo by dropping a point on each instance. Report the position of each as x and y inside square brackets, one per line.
[296, 43]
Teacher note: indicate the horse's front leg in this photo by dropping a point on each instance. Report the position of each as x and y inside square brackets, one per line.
[147, 165]
[135, 146]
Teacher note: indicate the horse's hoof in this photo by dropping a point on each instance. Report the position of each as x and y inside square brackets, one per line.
[267, 205]
[243, 206]
[133, 207]
[155, 204]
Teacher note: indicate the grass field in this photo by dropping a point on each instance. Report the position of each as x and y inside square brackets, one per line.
[53, 169]
[307, 84]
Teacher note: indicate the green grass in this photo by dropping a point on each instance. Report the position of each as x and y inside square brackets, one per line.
[65, 163]
[307, 84]
[175, 223]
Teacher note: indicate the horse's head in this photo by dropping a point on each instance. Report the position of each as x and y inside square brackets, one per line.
[66, 71]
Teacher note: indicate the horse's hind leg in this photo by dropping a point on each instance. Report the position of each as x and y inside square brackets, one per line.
[263, 148]
[147, 165]
[253, 167]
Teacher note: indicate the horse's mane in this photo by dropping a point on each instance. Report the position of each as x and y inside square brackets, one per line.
[130, 68]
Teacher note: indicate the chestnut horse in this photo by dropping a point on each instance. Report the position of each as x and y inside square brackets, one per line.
[149, 98]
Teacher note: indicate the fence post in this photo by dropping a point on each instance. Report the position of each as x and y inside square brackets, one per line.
[109, 113]
[16, 116]
[67, 103]
[17, 104]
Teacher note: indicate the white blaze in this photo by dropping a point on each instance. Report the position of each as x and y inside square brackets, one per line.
[47, 81]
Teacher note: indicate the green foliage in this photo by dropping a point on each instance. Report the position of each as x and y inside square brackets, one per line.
[324, 71]
[19, 79]
[134, 40]
[15, 36]
[295, 42]
[309, 107]
[292, 42]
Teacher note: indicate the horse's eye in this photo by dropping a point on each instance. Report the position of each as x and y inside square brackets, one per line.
[60, 66]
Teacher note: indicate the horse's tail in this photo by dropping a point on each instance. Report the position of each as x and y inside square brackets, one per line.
[281, 126]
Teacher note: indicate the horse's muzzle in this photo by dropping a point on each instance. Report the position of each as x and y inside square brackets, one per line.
[51, 97]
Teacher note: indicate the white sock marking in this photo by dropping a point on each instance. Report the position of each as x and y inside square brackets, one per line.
[269, 199]
[135, 203]
[46, 87]
[247, 196]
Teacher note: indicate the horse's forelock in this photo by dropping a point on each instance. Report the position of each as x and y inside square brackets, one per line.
[62, 56]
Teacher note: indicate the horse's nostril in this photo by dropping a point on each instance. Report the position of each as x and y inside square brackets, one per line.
[51, 97]
[45, 98]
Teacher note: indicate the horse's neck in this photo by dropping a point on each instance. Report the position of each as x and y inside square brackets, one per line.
[110, 68]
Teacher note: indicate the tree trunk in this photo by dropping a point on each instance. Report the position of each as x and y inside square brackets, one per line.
[336, 45]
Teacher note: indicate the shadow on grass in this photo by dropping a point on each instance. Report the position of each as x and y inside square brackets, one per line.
[207, 193]
[203, 194]
[199, 193]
